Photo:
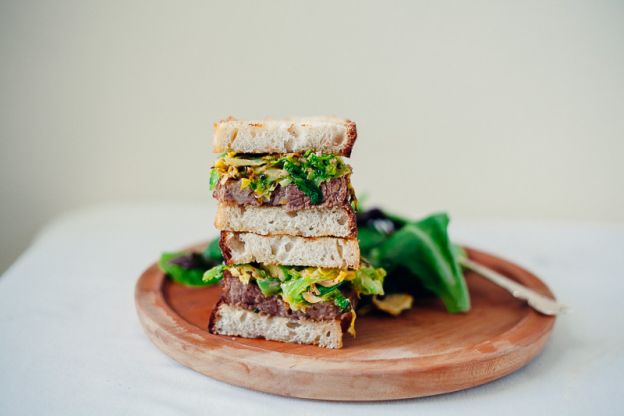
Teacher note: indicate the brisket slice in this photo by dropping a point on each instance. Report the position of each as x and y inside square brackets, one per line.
[335, 193]
[249, 296]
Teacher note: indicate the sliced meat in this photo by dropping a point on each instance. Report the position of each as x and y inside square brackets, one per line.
[335, 193]
[250, 297]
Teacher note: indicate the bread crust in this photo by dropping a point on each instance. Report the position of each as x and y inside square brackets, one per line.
[351, 137]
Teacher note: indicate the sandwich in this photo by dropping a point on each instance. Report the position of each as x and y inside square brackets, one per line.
[292, 269]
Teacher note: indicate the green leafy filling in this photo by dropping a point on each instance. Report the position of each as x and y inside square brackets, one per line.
[264, 173]
[301, 287]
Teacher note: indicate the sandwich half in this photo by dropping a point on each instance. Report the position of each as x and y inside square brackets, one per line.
[303, 305]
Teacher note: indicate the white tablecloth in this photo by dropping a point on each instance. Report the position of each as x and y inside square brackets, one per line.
[71, 343]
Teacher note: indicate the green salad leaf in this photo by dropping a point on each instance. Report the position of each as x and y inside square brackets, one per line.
[184, 268]
[416, 250]
[213, 251]
[188, 268]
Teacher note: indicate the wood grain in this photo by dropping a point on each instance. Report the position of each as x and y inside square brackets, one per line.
[425, 351]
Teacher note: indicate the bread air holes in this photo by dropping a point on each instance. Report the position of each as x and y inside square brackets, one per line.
[236, 244]
[293, 131]
[288, 246]
[342, 220]
[339, 249]
[293, 325]
[338, 139]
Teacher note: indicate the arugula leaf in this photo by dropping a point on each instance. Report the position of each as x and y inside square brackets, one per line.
[423, 249]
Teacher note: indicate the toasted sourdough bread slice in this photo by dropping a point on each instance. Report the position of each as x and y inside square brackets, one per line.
[237, 321]
[319, 134]
[311, 222]
[330, 252]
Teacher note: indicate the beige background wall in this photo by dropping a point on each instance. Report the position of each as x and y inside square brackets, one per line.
[485, 109]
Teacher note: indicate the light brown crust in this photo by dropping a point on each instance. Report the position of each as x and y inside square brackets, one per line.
[351, 137]
[225, 250]
[353, 230]
[214, 315]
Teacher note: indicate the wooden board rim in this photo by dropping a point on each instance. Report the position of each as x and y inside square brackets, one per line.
[225, 359]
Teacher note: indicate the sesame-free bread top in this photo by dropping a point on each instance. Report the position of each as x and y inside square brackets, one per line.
[319, 134]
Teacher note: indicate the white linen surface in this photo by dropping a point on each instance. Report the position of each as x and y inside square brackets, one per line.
[71, 343]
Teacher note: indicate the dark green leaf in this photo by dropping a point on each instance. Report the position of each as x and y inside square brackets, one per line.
[341, 301]
[369, 238]
[303, 183]
[180, 274]
[213, 251]
[424, 248]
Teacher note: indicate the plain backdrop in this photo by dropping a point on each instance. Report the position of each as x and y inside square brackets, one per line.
[484, 109]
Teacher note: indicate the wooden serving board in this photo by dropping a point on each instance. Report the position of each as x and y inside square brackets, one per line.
[423, 352]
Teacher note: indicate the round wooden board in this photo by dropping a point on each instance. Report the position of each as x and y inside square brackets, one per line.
[423, 352]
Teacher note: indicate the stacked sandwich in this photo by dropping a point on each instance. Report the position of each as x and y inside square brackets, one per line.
[286, 213]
